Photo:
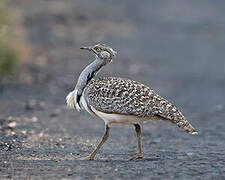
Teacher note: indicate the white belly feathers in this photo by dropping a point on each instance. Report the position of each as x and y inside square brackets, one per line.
[110, 118]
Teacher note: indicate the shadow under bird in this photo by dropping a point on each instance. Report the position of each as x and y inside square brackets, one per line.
[120, 100]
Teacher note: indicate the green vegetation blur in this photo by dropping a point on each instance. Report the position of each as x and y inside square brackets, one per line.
[8, 55]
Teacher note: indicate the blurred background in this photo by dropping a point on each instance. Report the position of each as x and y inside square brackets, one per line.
[176, 47]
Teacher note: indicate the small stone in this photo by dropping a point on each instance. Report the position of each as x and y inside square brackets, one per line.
[41, 134]
[12, 124]
[34, 119]
[30, 105]
[52, 115]
[24, 132]
[190, 153]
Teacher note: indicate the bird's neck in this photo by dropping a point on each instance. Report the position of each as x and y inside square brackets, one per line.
[88, 73]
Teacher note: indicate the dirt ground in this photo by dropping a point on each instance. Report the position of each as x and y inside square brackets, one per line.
[175, 47]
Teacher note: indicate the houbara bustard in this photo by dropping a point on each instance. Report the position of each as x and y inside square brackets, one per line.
[120, 100]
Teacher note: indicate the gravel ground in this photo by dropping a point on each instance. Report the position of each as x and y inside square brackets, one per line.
[176, 47]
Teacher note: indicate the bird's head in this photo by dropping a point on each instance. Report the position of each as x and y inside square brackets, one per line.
[102, 52]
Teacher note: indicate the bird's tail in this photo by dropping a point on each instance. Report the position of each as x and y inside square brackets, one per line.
[185, 125]
[70, 99]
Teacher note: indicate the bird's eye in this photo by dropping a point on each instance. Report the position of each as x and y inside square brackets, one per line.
[98, 49]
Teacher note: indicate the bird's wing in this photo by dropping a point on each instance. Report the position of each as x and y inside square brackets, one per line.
[128, 97]
[124, 96]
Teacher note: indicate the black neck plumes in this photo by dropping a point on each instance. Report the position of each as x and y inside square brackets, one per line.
[86, 75]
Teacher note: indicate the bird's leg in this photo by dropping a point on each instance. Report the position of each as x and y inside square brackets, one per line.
[104, 139]
[139, 152]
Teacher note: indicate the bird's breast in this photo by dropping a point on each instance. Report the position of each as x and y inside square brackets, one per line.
[84, 104]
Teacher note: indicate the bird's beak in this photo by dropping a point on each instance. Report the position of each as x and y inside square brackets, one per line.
[86, 48]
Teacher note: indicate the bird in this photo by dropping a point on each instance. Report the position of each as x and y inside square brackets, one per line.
[120, 100]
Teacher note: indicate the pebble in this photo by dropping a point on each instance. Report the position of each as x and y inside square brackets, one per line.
[190, 153]
[12, 124]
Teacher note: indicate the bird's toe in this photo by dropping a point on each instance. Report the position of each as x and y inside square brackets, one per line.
[138, 156]
[86, 158]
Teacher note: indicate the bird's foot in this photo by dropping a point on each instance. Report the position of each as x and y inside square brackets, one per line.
[86, 158]
[138, 156]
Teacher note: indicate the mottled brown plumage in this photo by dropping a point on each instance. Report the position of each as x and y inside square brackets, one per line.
[128, 97]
